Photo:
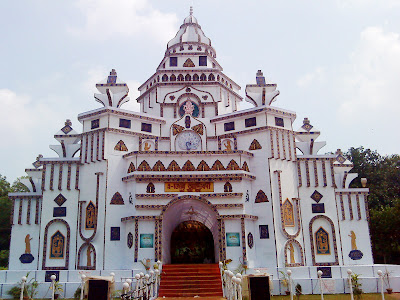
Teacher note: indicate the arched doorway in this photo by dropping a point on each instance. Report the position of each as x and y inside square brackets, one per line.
[188, 208]
[192, 243]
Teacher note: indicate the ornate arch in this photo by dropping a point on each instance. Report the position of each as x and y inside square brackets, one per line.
[295, 242]
[333, 238]
[191, 197]
[46, 231]
[93, 267]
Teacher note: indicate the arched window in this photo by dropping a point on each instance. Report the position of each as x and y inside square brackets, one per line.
[188, 77]
[203, 77]
[180, 77]
[165, 78]
[150, 188]
[211, 77]
[218, 77]
[172, 78]
[195, 77]
[228, 188]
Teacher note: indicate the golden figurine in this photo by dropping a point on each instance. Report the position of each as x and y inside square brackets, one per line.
[89, 252]
[353, 240]
[228, 145]
[147, 146]
[291, 250]
[28, 244]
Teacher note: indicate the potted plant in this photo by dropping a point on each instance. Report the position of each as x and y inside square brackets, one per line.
[57, 289]
[357, 291]
[284, 279]
[298, 291]
[386, 280]
[30, 289]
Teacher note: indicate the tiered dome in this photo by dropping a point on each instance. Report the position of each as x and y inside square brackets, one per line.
[189, 32]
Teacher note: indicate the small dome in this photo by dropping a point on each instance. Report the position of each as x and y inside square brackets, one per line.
[190, 31]
[190, 19]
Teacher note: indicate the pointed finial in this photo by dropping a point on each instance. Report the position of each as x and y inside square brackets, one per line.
[191, 10]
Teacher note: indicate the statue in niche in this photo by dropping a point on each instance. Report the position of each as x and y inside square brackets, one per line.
[353, 237]
[228, 145]
[27, 257]
[28, 244]
[89, 252]
[291, 250]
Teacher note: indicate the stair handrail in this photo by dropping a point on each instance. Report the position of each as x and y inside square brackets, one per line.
[146, 286]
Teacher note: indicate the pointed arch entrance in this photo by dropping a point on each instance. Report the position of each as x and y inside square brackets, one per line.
[190, 209]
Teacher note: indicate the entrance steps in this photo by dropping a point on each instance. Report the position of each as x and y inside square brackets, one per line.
[189, 280]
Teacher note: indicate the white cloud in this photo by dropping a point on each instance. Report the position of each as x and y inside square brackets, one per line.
[371, 79]
[124, 18]
[316, 75]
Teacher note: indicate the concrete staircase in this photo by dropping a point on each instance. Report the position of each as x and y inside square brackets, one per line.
[189, 280]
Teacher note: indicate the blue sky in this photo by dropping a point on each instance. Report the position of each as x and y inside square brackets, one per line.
[336, 62]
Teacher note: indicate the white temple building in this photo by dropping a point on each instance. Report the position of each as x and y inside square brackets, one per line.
[190, 179]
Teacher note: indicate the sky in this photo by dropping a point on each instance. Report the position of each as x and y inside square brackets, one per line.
[336, 62]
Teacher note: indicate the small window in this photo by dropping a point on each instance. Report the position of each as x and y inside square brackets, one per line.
[250, 122]
[146, 127]
[229, 126]
[95, 123]
[150, 188]
[173, 61]
[164, 78]
[279, 122]
[203, 61]
[124, 123]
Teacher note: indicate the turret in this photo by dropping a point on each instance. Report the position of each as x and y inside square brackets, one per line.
[261, 93]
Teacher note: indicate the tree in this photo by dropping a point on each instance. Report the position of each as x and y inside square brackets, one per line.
[5, 212]
[385, 233]
[383, 175]
[382, 172]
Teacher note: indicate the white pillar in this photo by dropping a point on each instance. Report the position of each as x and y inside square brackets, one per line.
[53, 285]
[321, 288]
[23, 280]
[83, 276]
[125, 287]
[350, 284]
[289, 272]
[380, 274]
[137, 286]
[129, 281]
